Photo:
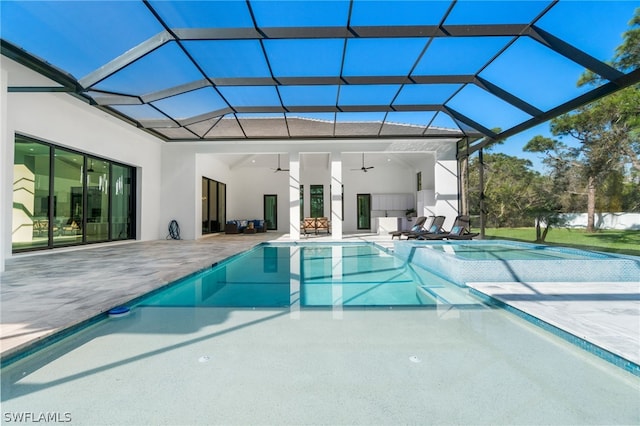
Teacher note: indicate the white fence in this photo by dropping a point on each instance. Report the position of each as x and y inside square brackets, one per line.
[628, 221]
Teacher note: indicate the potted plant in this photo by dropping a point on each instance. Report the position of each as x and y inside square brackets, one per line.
[409, 213]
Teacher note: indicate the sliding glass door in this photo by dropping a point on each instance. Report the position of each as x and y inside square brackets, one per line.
[63, 197]
[122, 202]
[31, 201]
[97, 200]
[68, 196]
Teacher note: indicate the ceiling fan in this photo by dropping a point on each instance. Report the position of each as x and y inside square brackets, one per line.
[279, 169]
[363, 168]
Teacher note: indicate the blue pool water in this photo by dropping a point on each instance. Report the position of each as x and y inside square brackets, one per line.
[227, 346]
[507, 261]
[312, 275]
[515, 251]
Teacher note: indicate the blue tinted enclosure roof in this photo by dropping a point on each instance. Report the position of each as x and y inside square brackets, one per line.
[210, 70]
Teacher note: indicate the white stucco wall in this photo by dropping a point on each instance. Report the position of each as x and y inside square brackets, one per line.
[184, 166]
[394, 178]
[604, 220]
[446, 190]
[6, 182]
[63, 120]
[169, 174]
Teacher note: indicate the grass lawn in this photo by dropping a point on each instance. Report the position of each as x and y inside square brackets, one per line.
[616, 241]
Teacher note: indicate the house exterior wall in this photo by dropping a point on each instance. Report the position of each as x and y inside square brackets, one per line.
[393, 179]
[169, 174]
[66, 121]
[6, 178]
[446, 190]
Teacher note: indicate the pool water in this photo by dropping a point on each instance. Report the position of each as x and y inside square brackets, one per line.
[508, 261]
[312, 275]
[258, 339]
[514, 252]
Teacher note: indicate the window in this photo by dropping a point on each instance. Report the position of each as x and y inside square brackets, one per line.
[214, 207]
[63, 197]
[317, 200]
[270, 211]
[364, 211]
[419, 181]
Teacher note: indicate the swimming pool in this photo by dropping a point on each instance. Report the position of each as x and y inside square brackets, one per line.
[312, 275]
[444, 363]
[500, 261]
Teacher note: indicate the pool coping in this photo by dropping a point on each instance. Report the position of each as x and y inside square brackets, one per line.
[607, 355]
[26, 282]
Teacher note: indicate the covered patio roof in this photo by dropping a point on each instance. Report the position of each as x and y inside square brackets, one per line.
[219, 70]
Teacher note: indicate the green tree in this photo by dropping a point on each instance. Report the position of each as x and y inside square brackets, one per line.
[545, 208]
[552, 189]
[509, 193]
[608, 129]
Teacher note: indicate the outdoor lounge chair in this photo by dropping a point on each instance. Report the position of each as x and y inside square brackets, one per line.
[419, 226]
[459, 231]
[323, 224]
[308, 225]
[434, 229]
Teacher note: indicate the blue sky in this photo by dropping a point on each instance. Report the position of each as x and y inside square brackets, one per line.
[82, 36]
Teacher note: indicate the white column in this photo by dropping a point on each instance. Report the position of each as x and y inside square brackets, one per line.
[336, 196]
[294, 195]
[6, 173]
[446, 189]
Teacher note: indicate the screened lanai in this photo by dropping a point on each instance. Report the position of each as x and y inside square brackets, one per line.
[215, 70]
[226, 90]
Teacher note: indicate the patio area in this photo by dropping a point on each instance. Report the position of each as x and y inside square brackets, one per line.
[44, 293]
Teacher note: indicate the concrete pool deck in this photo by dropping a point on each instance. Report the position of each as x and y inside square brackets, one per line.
[45, 292]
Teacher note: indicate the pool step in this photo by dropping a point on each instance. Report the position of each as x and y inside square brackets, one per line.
[443, 294]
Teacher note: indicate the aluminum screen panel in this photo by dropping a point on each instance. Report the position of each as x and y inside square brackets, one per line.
[305, 58]
[416, 94]
[595, 27]
[397, 12]
[495, 12]
[161, 69]
[301, 95]
[198, 70]
[530, 62]
[203, 14]
[77, 36]
[229, 58]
